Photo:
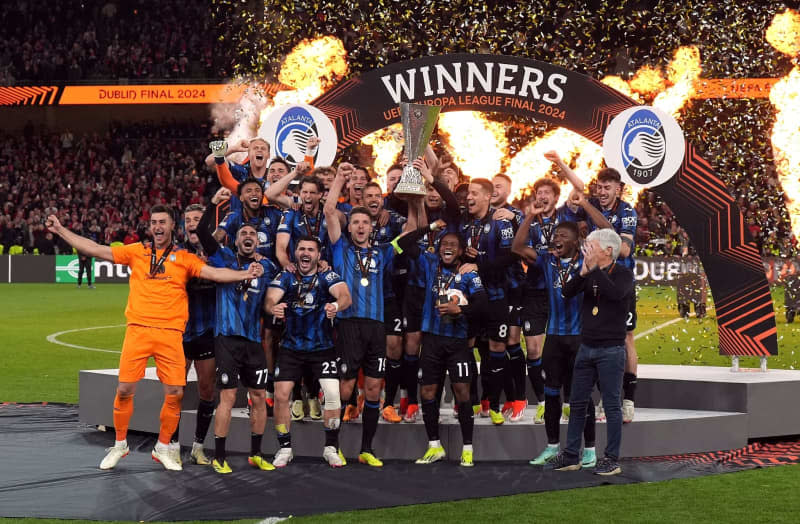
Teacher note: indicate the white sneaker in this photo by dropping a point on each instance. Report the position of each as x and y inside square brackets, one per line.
[331, 456]
[283, 457]
[114, 455]
[166, 458]
[175, 450]
[600, 413]
[627, 411]
[198, 455]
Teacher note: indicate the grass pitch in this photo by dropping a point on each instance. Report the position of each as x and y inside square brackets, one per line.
[35, 369]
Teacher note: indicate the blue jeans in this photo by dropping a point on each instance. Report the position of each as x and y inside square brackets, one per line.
[605, 366]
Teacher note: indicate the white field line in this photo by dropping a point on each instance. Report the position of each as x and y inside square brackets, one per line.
[654, 329]
[53, 339]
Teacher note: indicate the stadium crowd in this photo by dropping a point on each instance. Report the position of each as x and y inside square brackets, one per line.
[100, 183]
[108, 39]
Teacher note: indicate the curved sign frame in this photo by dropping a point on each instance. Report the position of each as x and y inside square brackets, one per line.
[530, 88]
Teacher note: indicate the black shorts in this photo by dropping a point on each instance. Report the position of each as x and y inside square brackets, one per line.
[535, 310]
[497, 322]
[515, 299]
[199, 348]
[292, 365]
[445, 354]
[270, 322]
[240, 359]
[412, 308]
[558, 359]
[630, 320]
[361, 344]
[393, 317]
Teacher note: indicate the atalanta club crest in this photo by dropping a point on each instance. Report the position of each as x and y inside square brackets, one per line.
[289, 129]
[645, 145]
[295, 127]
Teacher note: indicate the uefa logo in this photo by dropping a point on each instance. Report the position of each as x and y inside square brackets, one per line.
[289, 128]
[645, 145]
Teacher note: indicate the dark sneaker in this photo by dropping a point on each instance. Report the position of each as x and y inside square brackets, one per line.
[562, 463]
[607, 466]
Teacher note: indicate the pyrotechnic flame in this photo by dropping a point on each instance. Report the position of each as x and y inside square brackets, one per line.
[478, 145]
[682, 71]
[784, 35]
[529, 164]
[386, 144]
[784, 32]
[785, 96]
[648, 81]
[312, 67]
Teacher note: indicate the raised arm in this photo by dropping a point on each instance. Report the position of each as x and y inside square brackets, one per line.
[224, 275]
[331, 213]
[275, 191]
[520, 245]
[597, 218]
[431, 159]
[220, 149]
[281, 250]
[82, 244]
[208, 240]
[566, 171]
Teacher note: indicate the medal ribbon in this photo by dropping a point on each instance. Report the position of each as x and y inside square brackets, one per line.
[364, 270]
[564, 272]
[155, 266]
[440, 289]
[315, 231]
[301, 297]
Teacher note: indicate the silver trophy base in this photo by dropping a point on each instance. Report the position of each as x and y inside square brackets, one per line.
[411, 182]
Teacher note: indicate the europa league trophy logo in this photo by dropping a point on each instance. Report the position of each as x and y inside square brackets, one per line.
[418, 121]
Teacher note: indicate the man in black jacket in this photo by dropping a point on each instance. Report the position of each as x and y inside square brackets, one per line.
[607, 289]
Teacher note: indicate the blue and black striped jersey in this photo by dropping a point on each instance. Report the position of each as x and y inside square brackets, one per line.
[239, 304]
[359, 266]
[307, 328]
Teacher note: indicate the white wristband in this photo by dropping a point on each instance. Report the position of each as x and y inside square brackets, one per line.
[336, 305]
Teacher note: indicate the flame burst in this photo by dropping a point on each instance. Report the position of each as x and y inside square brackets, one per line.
[479, 146]
[682, 72]
[312, 67]
[784, 35]
[386, 144]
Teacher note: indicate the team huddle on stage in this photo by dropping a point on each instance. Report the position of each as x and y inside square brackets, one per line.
[313, 276]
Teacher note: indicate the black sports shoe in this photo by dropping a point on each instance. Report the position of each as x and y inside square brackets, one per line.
[607, 466]
[561, 463]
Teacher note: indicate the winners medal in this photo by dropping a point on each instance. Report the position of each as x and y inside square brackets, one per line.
[595, 310]
[364, 268]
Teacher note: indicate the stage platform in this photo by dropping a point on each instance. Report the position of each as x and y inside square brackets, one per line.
[654, 432]
[97, 387]
[680, 409]
[767, 398]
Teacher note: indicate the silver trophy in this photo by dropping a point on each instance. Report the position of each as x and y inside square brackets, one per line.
[418, 121]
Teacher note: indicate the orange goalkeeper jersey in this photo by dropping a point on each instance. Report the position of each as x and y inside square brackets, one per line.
[160, 300]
